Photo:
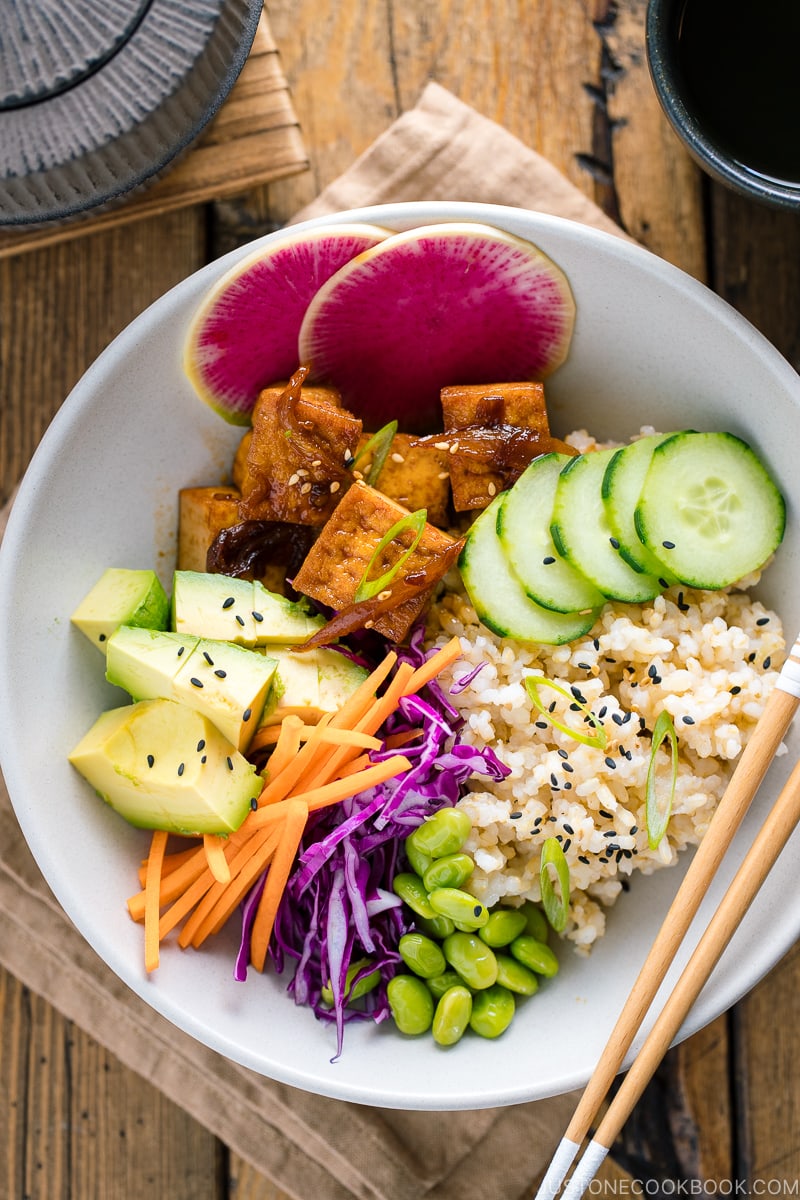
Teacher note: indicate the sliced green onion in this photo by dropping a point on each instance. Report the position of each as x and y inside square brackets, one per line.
[659, 807]
[368, 588]
[598, 739]
[555, 907]
[378, 446]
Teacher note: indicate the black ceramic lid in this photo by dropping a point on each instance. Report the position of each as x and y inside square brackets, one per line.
[98, 96]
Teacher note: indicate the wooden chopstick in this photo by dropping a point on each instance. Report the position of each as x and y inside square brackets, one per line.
[745, 781]
[758, 862]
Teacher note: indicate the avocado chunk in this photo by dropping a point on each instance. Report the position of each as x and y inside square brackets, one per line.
[237, 610]
[310, 684]
[227, 683]
[162, 765]
[122, 597]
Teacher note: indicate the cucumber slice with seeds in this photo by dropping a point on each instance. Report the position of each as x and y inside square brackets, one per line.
[708, 509]
[523, 525]
[499, 598]
[584, 537]
[622, 487]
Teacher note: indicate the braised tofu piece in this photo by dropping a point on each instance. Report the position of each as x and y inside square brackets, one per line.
[339, 558]
[202, 513]
[518, 406]
[296, 460]
[239, 468]
[413, 476]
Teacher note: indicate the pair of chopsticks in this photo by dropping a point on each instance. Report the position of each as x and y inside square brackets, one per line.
[775, 832]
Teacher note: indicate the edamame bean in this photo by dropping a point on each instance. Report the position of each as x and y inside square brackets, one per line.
[421, 955]
[492, 1011]
[459, 906]
[536, 921]
[435, 927]
[450, 871]
[534, 955]
[503, 926]
[411, 1004]
[443, 833]
[353, 991]
[419, 861]
[451, 1018]
[512, 975]
[474, 961]
[439, 984]
[410, 888]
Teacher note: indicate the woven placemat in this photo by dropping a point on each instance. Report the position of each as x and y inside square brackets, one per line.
[254, 138]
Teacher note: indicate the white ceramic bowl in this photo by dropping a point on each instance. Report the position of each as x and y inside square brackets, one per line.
[651, 346]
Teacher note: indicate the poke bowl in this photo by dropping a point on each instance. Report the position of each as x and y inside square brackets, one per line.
[651, 353]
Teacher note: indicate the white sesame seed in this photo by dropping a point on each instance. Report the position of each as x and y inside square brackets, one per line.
[317, 462]
[368, 624]
[441, 445]
[335, 486]
[443, 475]
[358, 475]
[454, 447]
[305, 489]
[385, 595]
[492, 489]
[302, 471]
[294, 479]
[398, 458]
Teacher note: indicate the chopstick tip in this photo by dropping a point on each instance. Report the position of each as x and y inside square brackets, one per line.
[555, 1174]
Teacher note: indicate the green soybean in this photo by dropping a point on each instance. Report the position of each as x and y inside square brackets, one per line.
[534, 955]
[443, 833]
[353, 991]
[435, 927]
[451, 1018]
[411, 889]
[503, 926]
[450, 871]
[459, 906]
[492, 1011]
[411, 1004]
[439, 984]
[419, 861]
[421, 955]
[512, 975]
[474, 961]
[535, 921]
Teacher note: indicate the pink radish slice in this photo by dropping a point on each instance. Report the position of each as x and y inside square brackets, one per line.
[448, 304]
[244, 335]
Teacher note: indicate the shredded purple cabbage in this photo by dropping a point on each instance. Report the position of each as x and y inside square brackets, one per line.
[338, 907]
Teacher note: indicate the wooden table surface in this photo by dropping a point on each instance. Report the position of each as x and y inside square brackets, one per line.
[568, 77]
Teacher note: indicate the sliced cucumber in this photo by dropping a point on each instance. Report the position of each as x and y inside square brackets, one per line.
[583, 535]
[499, 598]
[708, 509]
[523, 525]
[622, 486]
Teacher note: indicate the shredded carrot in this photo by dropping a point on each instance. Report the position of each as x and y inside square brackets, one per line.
[310, 768]
[395, 740]
[152, 885]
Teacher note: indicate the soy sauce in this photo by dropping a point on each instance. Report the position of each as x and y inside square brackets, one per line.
[740, 60]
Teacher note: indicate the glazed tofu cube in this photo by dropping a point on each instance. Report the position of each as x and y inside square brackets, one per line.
[282, 483]
[337, 561]
[521, 404]
[202, 513]
[413, 476]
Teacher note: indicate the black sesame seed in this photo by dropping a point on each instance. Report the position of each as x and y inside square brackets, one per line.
[596, 643]
[668, 545]
[605, 813]
[552, 707]
[208, 658]
[547, 562]
[602, 712]
[181, 650]
[240, 619]
[688, 720]
[102, 637]
[751, 657]
[201, 745]
[584, 667]
[247, 714]
[181, 769]
[568, 829]
[257, 616]
[609, 833]
[567, 845]
[663, 583]
[616, 718]
[229, 761]
[150, 760]
[567, 786]
[220, 674]
[195, 682]
[634, 829]
[628, 716]
[620, 855]
[652, 671]
[577, 693]
[610, 660]
[610, 763]
[553, 779]
[568, 767]
[204, 759]
[633, 683]
[562, 753]
[767, 663]
[601, 859]
[254, 804]
[515, 816]
[582, 858]
[227, 603]
[537, 821]
[614, 542]
[575, 707]
[541, 725]
[762, 621]
[735, 690]
[477, 909]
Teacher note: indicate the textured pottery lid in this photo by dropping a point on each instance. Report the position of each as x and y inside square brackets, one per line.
[98, 96]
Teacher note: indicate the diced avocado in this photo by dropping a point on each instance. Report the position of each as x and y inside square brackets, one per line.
[162, 765]
[238, 610]
[226, 683]
[122, 597]
[310, 683]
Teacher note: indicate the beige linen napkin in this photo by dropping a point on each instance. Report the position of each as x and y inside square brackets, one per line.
[310, 1146]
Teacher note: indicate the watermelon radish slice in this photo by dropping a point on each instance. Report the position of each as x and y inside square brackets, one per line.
[456, 303]
[244, 335]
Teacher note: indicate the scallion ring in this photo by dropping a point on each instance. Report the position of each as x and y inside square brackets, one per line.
[598, 739]
[556, 907]
[659, 807]
[378, 447]
[368, 588]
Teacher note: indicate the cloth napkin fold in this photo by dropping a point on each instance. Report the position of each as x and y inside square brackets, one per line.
[311, 1146]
